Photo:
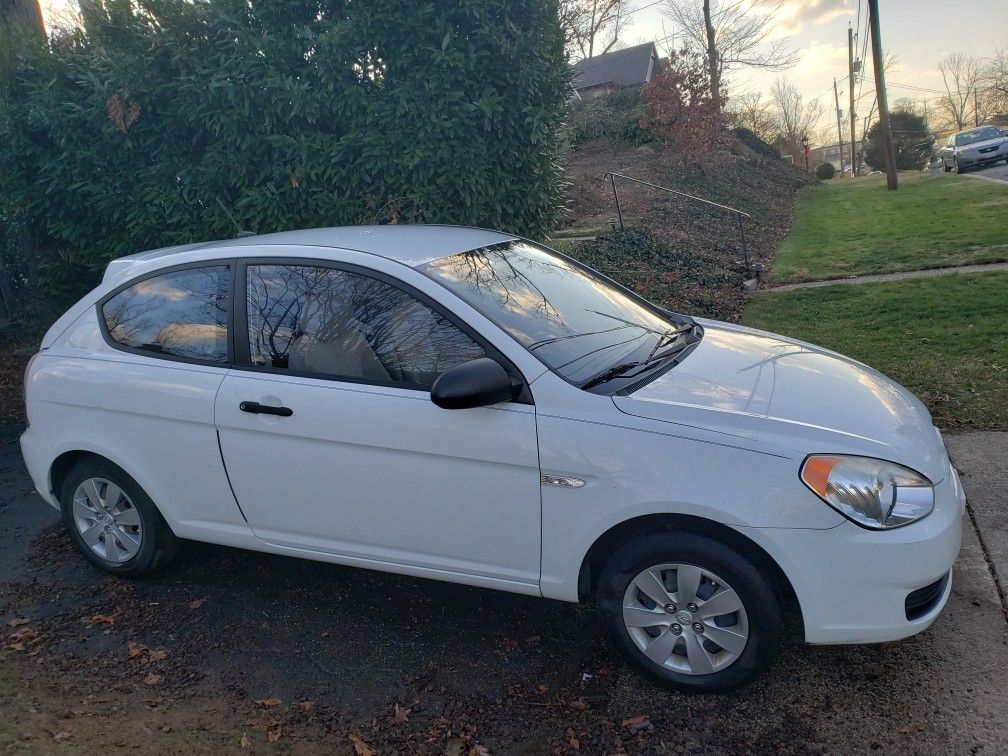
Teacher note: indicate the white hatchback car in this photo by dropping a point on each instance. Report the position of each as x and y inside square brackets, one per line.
[465, 405]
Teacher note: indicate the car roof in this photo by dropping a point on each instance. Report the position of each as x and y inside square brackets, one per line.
[411, 245]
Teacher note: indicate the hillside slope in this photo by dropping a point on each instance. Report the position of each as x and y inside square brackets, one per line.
[681, 254]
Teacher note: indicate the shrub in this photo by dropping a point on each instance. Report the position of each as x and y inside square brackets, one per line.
[825, 171]
[124, 136]
[680, 106]
[615, 116]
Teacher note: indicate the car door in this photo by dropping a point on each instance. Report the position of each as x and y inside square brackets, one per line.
[359, 463]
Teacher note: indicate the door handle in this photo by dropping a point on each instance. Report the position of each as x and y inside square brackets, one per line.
[265, 409]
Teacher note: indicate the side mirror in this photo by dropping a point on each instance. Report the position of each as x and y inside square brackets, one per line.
[476, 383]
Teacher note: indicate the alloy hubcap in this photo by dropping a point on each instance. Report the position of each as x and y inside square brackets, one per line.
[107, 520]
[706, 635]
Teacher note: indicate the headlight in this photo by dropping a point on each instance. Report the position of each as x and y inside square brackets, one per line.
[872, 492]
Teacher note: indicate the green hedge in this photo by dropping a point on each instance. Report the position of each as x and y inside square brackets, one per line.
[124, 137]
[825, 171]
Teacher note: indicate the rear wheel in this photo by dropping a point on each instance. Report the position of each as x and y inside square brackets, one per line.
[690, 611]
[112, 521]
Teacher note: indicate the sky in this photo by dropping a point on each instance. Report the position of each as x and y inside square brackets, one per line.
[917, 32]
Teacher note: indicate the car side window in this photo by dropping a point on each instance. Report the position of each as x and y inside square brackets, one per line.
[338, 323]
[183, 313]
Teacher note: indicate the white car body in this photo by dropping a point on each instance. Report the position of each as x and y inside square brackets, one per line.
[469, 496]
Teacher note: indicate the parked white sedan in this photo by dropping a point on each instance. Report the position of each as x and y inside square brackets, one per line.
[469, 406]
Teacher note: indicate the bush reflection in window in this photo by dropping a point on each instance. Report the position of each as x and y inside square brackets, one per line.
[337, 323]
[183, 313]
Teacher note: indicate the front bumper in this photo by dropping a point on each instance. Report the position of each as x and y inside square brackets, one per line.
[983, 158]
[852, 584]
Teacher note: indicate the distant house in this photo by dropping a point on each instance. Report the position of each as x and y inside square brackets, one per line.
[629, 67]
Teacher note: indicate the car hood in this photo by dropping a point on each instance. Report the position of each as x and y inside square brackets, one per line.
[791, 395]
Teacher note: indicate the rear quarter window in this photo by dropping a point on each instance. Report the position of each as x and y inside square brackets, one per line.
[183, 313]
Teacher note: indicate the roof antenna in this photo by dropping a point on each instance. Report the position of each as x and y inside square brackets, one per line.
[239, 232]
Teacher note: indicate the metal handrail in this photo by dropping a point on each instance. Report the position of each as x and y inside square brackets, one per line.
[739, 213]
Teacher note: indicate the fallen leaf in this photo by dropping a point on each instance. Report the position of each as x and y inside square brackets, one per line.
[245, 742]
[454, 747]
[273, 733]
[479, 750]
[360, 747]
[912, 727]
[307, 705]
[104, 619]
[135, 649]
[400, 715]
[63, 735]
[579, 703]
[152, 679]
[267, 702]
[18, 621]
[157, 655]
[196, 604]
[638, 724]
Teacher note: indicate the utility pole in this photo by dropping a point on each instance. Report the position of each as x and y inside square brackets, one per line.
[892, 181]
[839, 130]
[976, 108]
[853, 116]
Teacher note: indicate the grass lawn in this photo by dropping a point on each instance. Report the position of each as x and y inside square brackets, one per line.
[946, 339]
[845, 227]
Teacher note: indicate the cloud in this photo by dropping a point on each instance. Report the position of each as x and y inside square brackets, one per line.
[794, 15]
[822, 58]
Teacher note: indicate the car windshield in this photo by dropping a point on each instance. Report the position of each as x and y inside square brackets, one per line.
[582, 327]
[978, 135]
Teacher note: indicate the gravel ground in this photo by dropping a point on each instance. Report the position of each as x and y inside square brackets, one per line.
[232, 652]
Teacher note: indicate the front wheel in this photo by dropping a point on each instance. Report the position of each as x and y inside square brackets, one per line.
[690, 612]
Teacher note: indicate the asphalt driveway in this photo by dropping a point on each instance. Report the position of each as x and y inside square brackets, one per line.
[230, 651]
[997, 172]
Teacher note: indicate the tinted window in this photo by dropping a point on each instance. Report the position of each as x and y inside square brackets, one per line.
[337, 323]
[576, 323]
[979, 135]
[183, 313]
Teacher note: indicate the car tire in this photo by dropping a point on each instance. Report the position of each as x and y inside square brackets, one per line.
[112, 521]
[723, 570]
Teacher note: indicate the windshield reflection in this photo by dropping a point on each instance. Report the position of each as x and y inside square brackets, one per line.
[577, 324]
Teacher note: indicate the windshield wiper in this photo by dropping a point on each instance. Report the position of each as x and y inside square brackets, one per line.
[669, 336]
[617, 371]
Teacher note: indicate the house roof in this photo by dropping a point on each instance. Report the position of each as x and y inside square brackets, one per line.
[621, 67]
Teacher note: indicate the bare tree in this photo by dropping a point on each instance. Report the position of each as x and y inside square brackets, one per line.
[795, 118]
[995, 82]
[962, 75]
[749, 110]
[733, 33]
[593, 27]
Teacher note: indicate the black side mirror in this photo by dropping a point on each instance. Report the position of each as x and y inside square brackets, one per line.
[476, 383]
